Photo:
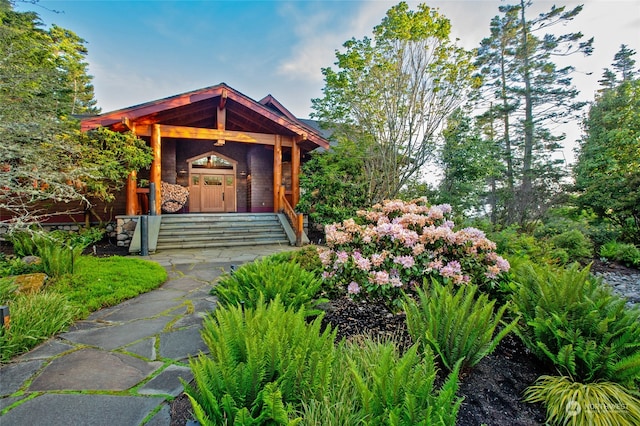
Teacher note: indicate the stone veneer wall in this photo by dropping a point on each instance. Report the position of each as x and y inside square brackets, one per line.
[125, 227]
[110, 228]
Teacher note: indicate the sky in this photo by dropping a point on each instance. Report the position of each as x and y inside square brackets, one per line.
[143, 50]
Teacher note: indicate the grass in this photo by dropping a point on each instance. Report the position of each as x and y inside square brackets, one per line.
[97, 283]
[102, 282]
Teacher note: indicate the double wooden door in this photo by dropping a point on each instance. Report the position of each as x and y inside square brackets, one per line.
[212, 193]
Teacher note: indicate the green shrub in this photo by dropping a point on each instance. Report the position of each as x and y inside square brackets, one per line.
[399, 389]
[10, 265]
[34, 318]
[576, 404]
[577, 246]
[388, 249]
[260, 358]
[307, 257]
[456, 324]
[24, 243]
[269, 278]
[571, 319]
[513, 242]
[57, 249]
[627, 254]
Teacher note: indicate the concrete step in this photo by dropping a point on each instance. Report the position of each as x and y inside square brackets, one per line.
[220, 230]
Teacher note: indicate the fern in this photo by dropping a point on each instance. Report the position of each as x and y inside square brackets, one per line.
[570, 318]
[260, 360]
[455, 324]
[401, 388]
[268, 278]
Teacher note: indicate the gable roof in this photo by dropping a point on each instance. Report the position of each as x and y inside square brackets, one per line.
[198, 108]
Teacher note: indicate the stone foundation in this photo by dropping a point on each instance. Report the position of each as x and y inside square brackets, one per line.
[125, 227]
[110, 228]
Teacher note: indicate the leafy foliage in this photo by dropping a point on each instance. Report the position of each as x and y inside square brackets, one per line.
[57, 249]
[261, 360]
[396, 244]
[455, 324]
[333, 185]
[34, 319]
[468, 161]
[575, 404]
[267, 279]
[44, 157]
[569, 318]
[396, 389]
[306, 257]
[607, 171]
[575, 244]
[11, 265]
[390, 95]
[621, 252]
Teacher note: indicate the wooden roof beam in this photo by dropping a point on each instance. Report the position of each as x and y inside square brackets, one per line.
[183, 132]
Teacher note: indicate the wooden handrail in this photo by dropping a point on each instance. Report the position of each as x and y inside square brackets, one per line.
[295, 219]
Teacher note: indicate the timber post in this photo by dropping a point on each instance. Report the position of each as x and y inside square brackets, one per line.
[277, 173]
[156, 164]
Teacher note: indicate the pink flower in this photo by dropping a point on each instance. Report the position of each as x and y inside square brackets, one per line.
[502, 264]
[405, 261]
[396, 281]
[418, 249]
[353, 288]
[451, 269]
[342, 257]
[377, 259]
[362, 263]
[379, 277]
[325, 256]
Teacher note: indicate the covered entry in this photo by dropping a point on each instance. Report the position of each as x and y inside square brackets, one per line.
[212, 184]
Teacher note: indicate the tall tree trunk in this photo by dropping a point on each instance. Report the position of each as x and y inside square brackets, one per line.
[524, 199]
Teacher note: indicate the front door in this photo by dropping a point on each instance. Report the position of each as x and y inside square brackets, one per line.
[212, 193]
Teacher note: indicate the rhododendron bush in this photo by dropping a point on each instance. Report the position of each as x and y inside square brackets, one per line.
[392, 247]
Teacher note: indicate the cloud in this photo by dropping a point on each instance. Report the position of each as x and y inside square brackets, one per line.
[320, 31]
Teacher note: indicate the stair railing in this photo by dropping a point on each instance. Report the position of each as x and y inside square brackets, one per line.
[295, 219]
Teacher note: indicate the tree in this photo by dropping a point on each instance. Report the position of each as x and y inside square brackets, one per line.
[333, 185]
[44, 158]
[607, 171]
[528, 94]
[469, 162]
[623, 66]
[391, 95]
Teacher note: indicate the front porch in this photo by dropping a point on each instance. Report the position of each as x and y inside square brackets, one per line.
[233, 154]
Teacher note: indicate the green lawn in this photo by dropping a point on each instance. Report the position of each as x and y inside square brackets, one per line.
[96, 283]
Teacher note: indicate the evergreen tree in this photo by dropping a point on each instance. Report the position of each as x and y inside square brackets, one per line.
[528, 94]
[607, 171]
[469, 163]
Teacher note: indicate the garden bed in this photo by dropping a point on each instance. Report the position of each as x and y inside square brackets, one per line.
[492, 390]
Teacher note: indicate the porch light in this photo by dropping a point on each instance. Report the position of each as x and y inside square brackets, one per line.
[243, 174]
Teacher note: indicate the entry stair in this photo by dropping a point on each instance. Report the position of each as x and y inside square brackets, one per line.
[205, 230]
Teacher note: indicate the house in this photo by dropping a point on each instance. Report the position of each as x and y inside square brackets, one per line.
[232, 153]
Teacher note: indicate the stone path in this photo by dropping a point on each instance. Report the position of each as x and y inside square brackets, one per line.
[122, 365]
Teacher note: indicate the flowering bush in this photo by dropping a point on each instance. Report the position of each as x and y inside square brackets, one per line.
[391, 247]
